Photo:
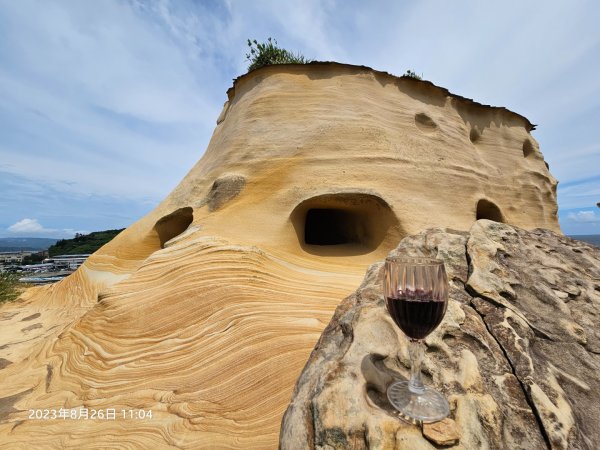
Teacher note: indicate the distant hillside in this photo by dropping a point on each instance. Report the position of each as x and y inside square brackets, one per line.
[83, 243]
[25, 244]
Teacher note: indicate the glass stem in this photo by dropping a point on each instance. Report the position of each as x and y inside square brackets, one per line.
[415, 350]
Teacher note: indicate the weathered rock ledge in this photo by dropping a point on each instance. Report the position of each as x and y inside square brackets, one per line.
[517, 355]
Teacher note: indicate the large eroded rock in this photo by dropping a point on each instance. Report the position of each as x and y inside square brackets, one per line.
[206, 310]
[517, 354]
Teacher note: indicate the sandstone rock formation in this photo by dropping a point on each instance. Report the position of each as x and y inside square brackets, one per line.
[206, 310]
[517, 354]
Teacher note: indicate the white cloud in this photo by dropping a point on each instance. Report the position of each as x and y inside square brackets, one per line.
[29, 226]
[88, 96]
[579, 194]
[584, 217]
[33, 228]
[575, 163]
[112, 55]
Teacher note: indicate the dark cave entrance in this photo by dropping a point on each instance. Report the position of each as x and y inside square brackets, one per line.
[325, 226]
[343, 223]
[488, 210]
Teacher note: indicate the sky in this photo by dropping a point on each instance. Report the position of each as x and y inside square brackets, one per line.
[106, 105]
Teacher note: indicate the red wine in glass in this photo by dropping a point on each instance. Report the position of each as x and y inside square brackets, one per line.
[416, 318]
[416, 295]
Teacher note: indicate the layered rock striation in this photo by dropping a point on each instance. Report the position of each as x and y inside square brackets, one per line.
[517, 354]
[206, 310]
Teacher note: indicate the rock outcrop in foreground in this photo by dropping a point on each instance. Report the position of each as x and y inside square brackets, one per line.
[517, 355]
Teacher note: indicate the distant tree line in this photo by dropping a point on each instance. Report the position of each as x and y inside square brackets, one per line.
[83, 243]
[35, 258]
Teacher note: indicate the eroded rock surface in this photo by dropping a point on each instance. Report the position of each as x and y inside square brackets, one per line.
[516, 355]
[206, 310]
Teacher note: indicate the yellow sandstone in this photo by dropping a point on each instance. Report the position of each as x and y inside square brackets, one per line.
[205, 311]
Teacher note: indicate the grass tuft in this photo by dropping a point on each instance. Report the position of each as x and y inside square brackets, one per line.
[267, 53]
[10, 287]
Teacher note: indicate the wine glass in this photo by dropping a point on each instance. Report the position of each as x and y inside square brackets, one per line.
[416, 295]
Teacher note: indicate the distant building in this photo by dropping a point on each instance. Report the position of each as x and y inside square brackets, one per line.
[68, 262]
[13, 257]
[44, 267]
[54, 268]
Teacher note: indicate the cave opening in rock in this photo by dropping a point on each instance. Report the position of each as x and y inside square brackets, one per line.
[343, 223]
[488, 210]
[173, 224]
[333, 227]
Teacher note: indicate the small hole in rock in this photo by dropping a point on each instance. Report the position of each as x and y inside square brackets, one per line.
[527, 148]
[424, 122]
[474, 135]
[173, 224]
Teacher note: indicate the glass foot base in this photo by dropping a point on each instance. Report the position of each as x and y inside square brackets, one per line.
[430, 406]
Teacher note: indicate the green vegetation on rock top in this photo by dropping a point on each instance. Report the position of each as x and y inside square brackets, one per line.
[411, 74]
[267, 53]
